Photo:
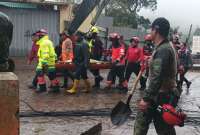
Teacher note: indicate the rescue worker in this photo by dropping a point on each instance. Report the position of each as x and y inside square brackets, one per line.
[46, 63]
[58, 48]
[33, 56]
[6, 31]
[81, 61]
[66, 55]
[147, 53]
[148, 45]
[133, 57]
[162, 83]
[185, 63]
[176, 42]
[118, 63]
[96, 51]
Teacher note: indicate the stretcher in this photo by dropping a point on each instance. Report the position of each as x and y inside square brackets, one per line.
[93, 65]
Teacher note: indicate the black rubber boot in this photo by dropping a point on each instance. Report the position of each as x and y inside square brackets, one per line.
[142, 83]
[42, 88]
[65, 84]
[55, 86]
[97, 82]
[31, 86]
[34, 83]
[123, 90]
[55, 89]
[188, 84]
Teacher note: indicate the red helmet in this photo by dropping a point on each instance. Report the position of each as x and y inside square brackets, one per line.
[148, 37]
[171, 116]
[114, 36]
[41, 32]
[136, 39]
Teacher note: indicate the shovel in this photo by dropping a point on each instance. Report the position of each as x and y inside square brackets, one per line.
[121, 111]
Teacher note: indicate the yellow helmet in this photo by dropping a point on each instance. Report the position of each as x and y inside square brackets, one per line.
[94, 30]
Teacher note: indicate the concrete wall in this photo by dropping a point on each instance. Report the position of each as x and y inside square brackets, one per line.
[27, 21]
[196, 44]
[9, 102]
[105, 21]
[65, 15]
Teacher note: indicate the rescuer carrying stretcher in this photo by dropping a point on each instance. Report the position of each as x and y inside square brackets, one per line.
[118, 63]
[81, 61]
[46, 62]
[96, 50]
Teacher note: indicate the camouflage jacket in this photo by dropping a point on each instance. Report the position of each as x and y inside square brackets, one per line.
[162, 71]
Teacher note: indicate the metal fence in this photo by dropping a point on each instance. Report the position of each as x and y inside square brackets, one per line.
[27, 21]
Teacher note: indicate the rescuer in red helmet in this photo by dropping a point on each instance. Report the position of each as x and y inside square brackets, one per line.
[118, 62]
[147, 51]
[148, 45]
[133, 57]
[162, 84]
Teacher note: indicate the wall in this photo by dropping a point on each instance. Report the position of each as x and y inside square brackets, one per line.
[65, 15]
[27, 21]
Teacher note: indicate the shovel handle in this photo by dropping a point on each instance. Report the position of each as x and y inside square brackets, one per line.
[136, 82]
[134, 86]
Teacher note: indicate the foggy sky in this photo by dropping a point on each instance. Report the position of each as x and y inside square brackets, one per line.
[179, 12]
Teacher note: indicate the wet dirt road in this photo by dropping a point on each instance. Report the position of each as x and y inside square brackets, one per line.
[190, 102]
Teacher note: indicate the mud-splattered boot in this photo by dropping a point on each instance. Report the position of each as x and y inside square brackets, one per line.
[41, 84]
[73, 90]
[55, 87]
[87, 85]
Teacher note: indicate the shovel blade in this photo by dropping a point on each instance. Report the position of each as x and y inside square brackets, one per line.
[120, 113]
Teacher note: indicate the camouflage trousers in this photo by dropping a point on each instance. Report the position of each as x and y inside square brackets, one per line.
[143, 120]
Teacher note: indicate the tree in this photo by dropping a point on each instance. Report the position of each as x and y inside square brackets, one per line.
[124, 12]
[197, 32]
[144, 22]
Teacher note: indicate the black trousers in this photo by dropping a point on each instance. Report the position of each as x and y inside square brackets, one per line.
[183, 78]
[116, 71]
[66, 74]
[34, 82]
[134, 68]
[96, 72]
[80, 72]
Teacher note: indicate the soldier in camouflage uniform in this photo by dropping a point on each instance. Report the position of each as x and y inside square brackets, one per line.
[162, 83]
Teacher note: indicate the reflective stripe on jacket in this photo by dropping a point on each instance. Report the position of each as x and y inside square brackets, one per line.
[46, 53]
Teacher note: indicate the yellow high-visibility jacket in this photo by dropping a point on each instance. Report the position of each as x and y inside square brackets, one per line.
[46, 53]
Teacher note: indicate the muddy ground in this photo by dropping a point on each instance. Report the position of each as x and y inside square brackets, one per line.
[97, 99]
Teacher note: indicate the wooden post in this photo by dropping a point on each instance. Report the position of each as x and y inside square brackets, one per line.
[9, 104]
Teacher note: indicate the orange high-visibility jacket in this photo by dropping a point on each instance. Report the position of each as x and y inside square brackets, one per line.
[67, 50]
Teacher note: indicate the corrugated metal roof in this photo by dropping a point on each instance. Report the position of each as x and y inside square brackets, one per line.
[18, 5]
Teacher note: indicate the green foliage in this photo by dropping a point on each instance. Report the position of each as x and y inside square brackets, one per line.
[125, 12]
[197, 32]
